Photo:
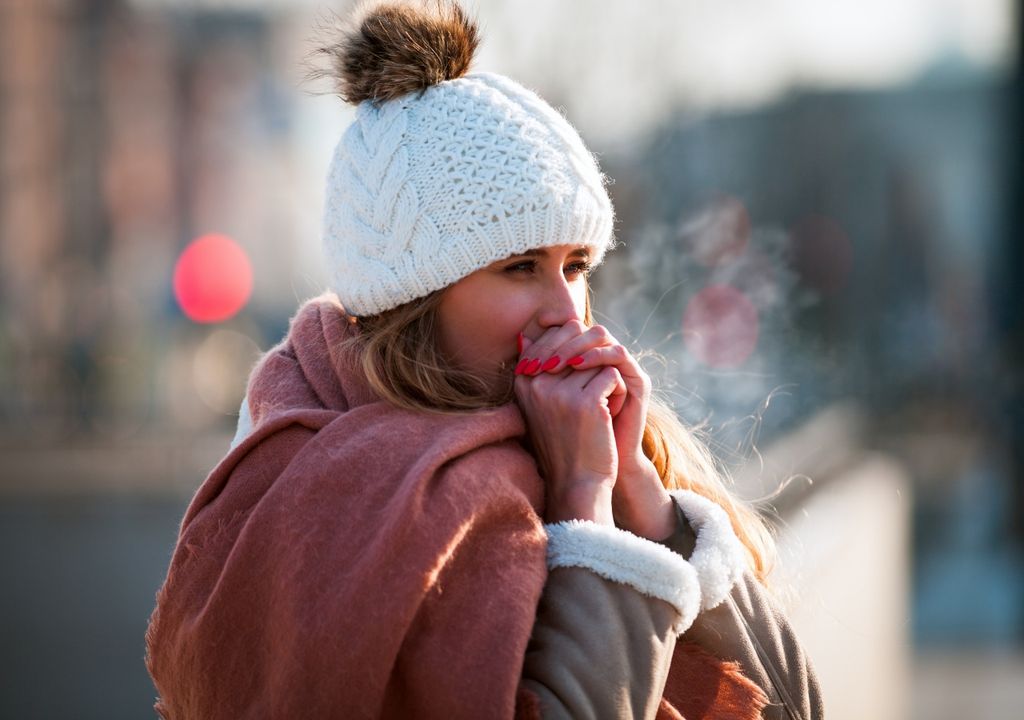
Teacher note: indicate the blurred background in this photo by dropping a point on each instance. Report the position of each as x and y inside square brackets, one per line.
[819, 205]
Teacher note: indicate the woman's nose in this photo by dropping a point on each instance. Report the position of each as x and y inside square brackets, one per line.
[561, 304]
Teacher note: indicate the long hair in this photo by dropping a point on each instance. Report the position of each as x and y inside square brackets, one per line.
[403, 363]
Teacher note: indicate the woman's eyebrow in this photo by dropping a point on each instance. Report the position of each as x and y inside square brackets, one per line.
[583, 252]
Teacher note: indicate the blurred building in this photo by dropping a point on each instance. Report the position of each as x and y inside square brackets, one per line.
[127, 134]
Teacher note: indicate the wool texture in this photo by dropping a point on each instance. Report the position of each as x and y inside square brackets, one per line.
[622, 557]
[443, 171]
[718, 555]
[714, 690]
[351, 559]
[425, 189]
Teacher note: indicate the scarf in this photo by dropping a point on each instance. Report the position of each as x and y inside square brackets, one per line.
[350, 558]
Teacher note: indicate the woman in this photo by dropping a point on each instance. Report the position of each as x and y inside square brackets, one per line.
[452, 494]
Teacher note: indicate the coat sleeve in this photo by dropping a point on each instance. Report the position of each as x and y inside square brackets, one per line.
[607, 623]
[749, 627]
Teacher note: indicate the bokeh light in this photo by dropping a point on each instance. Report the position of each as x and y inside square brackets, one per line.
[220, 369]
[720, 326]
[212, 279]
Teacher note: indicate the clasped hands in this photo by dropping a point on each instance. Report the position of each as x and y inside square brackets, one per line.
[585, 400]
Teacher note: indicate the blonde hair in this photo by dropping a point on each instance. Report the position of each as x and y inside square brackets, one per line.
[403, 363]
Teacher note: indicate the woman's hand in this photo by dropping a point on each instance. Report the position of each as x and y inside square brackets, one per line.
[570, 425]
[640, 502]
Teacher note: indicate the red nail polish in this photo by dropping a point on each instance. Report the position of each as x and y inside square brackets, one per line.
[532, 368]
[519, 343]
[522, 366]
[550, 363]
[578, 360]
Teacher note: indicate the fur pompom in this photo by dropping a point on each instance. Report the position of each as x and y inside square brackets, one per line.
[389, 48]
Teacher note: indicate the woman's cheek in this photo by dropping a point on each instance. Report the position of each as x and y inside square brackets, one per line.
[491, 340]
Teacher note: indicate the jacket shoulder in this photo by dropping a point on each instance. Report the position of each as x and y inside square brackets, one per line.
[750, 628]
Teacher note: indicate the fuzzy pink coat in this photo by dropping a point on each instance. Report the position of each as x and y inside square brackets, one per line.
[351, 559]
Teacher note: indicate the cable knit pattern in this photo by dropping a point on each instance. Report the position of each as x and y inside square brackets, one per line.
[429, 187]
[718, 555]
[625, 558]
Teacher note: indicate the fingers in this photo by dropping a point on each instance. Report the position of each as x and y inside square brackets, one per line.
[576, 347]
[617, 397]
[546, 383]
[595, 347]
[604, 386]
[553, 350]
[581, 387]
[610, 355]
[618, 357]
[535, 358]
[566, 347]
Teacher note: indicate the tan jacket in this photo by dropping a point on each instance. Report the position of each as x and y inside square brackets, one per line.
[602, 649]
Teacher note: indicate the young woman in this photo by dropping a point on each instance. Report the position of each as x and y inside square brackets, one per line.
[452, 493]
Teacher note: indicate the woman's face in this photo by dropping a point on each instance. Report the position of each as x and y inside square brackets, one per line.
[482, 314]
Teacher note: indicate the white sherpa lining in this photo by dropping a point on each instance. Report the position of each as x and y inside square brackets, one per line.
[244, 423]
[625, 558]
[718, 556]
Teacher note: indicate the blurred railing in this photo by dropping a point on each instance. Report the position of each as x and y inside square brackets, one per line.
[844, 562]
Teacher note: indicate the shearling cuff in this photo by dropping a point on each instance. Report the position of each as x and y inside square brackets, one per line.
[718, 556]
[623, 557]
[244, 423]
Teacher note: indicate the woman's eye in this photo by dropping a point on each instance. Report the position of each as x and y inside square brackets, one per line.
[530, 265]
[580, 267]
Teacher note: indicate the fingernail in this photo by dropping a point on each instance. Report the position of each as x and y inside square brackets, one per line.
[578, 360]
[519, 343]
[522, 366]
[550, 363]
[532, 368]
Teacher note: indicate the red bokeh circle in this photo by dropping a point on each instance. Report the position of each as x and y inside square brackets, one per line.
[212, 279]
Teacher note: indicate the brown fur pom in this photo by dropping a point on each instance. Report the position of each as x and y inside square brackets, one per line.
[386, 49]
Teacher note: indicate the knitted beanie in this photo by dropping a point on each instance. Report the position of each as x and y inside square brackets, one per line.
[443, 172]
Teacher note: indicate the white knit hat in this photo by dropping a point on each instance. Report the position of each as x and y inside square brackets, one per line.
[443, 173]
